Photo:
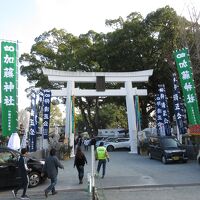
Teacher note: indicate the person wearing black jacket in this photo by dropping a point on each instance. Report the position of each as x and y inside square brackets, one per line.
[79, 162]
[93, 141]
[23, 171]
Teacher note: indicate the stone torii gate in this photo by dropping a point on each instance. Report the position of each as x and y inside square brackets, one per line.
[91, 77]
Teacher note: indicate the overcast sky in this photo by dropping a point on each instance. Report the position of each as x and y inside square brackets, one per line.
[24, 20]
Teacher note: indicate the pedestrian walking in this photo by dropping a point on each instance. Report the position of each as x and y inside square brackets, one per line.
[86, 144]
[93, 142]
[79, 140]
[79, 161]
[51, 169]
[101, 156]
[23, 172]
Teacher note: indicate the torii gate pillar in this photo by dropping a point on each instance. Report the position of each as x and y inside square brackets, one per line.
[131, 116]
[69, 135]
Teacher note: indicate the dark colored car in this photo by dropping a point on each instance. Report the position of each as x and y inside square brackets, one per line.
[9, 172]
[167, 149]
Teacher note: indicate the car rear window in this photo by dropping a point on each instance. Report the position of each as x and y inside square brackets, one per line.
[170, 142]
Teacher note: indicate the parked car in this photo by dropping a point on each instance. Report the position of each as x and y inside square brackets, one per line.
[117, 143]
[105, 139]
[9, 172]
[167, 149]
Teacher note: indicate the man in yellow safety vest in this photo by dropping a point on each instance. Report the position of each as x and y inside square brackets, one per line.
[101, 156]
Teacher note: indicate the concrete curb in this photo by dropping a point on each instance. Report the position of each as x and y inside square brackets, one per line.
[149, 186]
[136, 187]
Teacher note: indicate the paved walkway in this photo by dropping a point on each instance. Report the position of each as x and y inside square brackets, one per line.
[124, 170]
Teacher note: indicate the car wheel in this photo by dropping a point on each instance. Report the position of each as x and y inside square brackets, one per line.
[164, 160]
[110, 148]
[34, 179]
[149, 154]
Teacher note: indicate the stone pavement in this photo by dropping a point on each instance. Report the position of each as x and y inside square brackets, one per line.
[124, 171]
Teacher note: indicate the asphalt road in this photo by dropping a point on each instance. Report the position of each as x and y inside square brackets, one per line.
[155, 193]
[128, 176]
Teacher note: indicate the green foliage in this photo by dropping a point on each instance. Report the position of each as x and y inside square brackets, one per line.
[110, 116]
[136, 43]
[113, 116]
[56, 116]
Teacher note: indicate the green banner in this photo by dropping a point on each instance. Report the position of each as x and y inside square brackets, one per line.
[187, 84]
[9, 88]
